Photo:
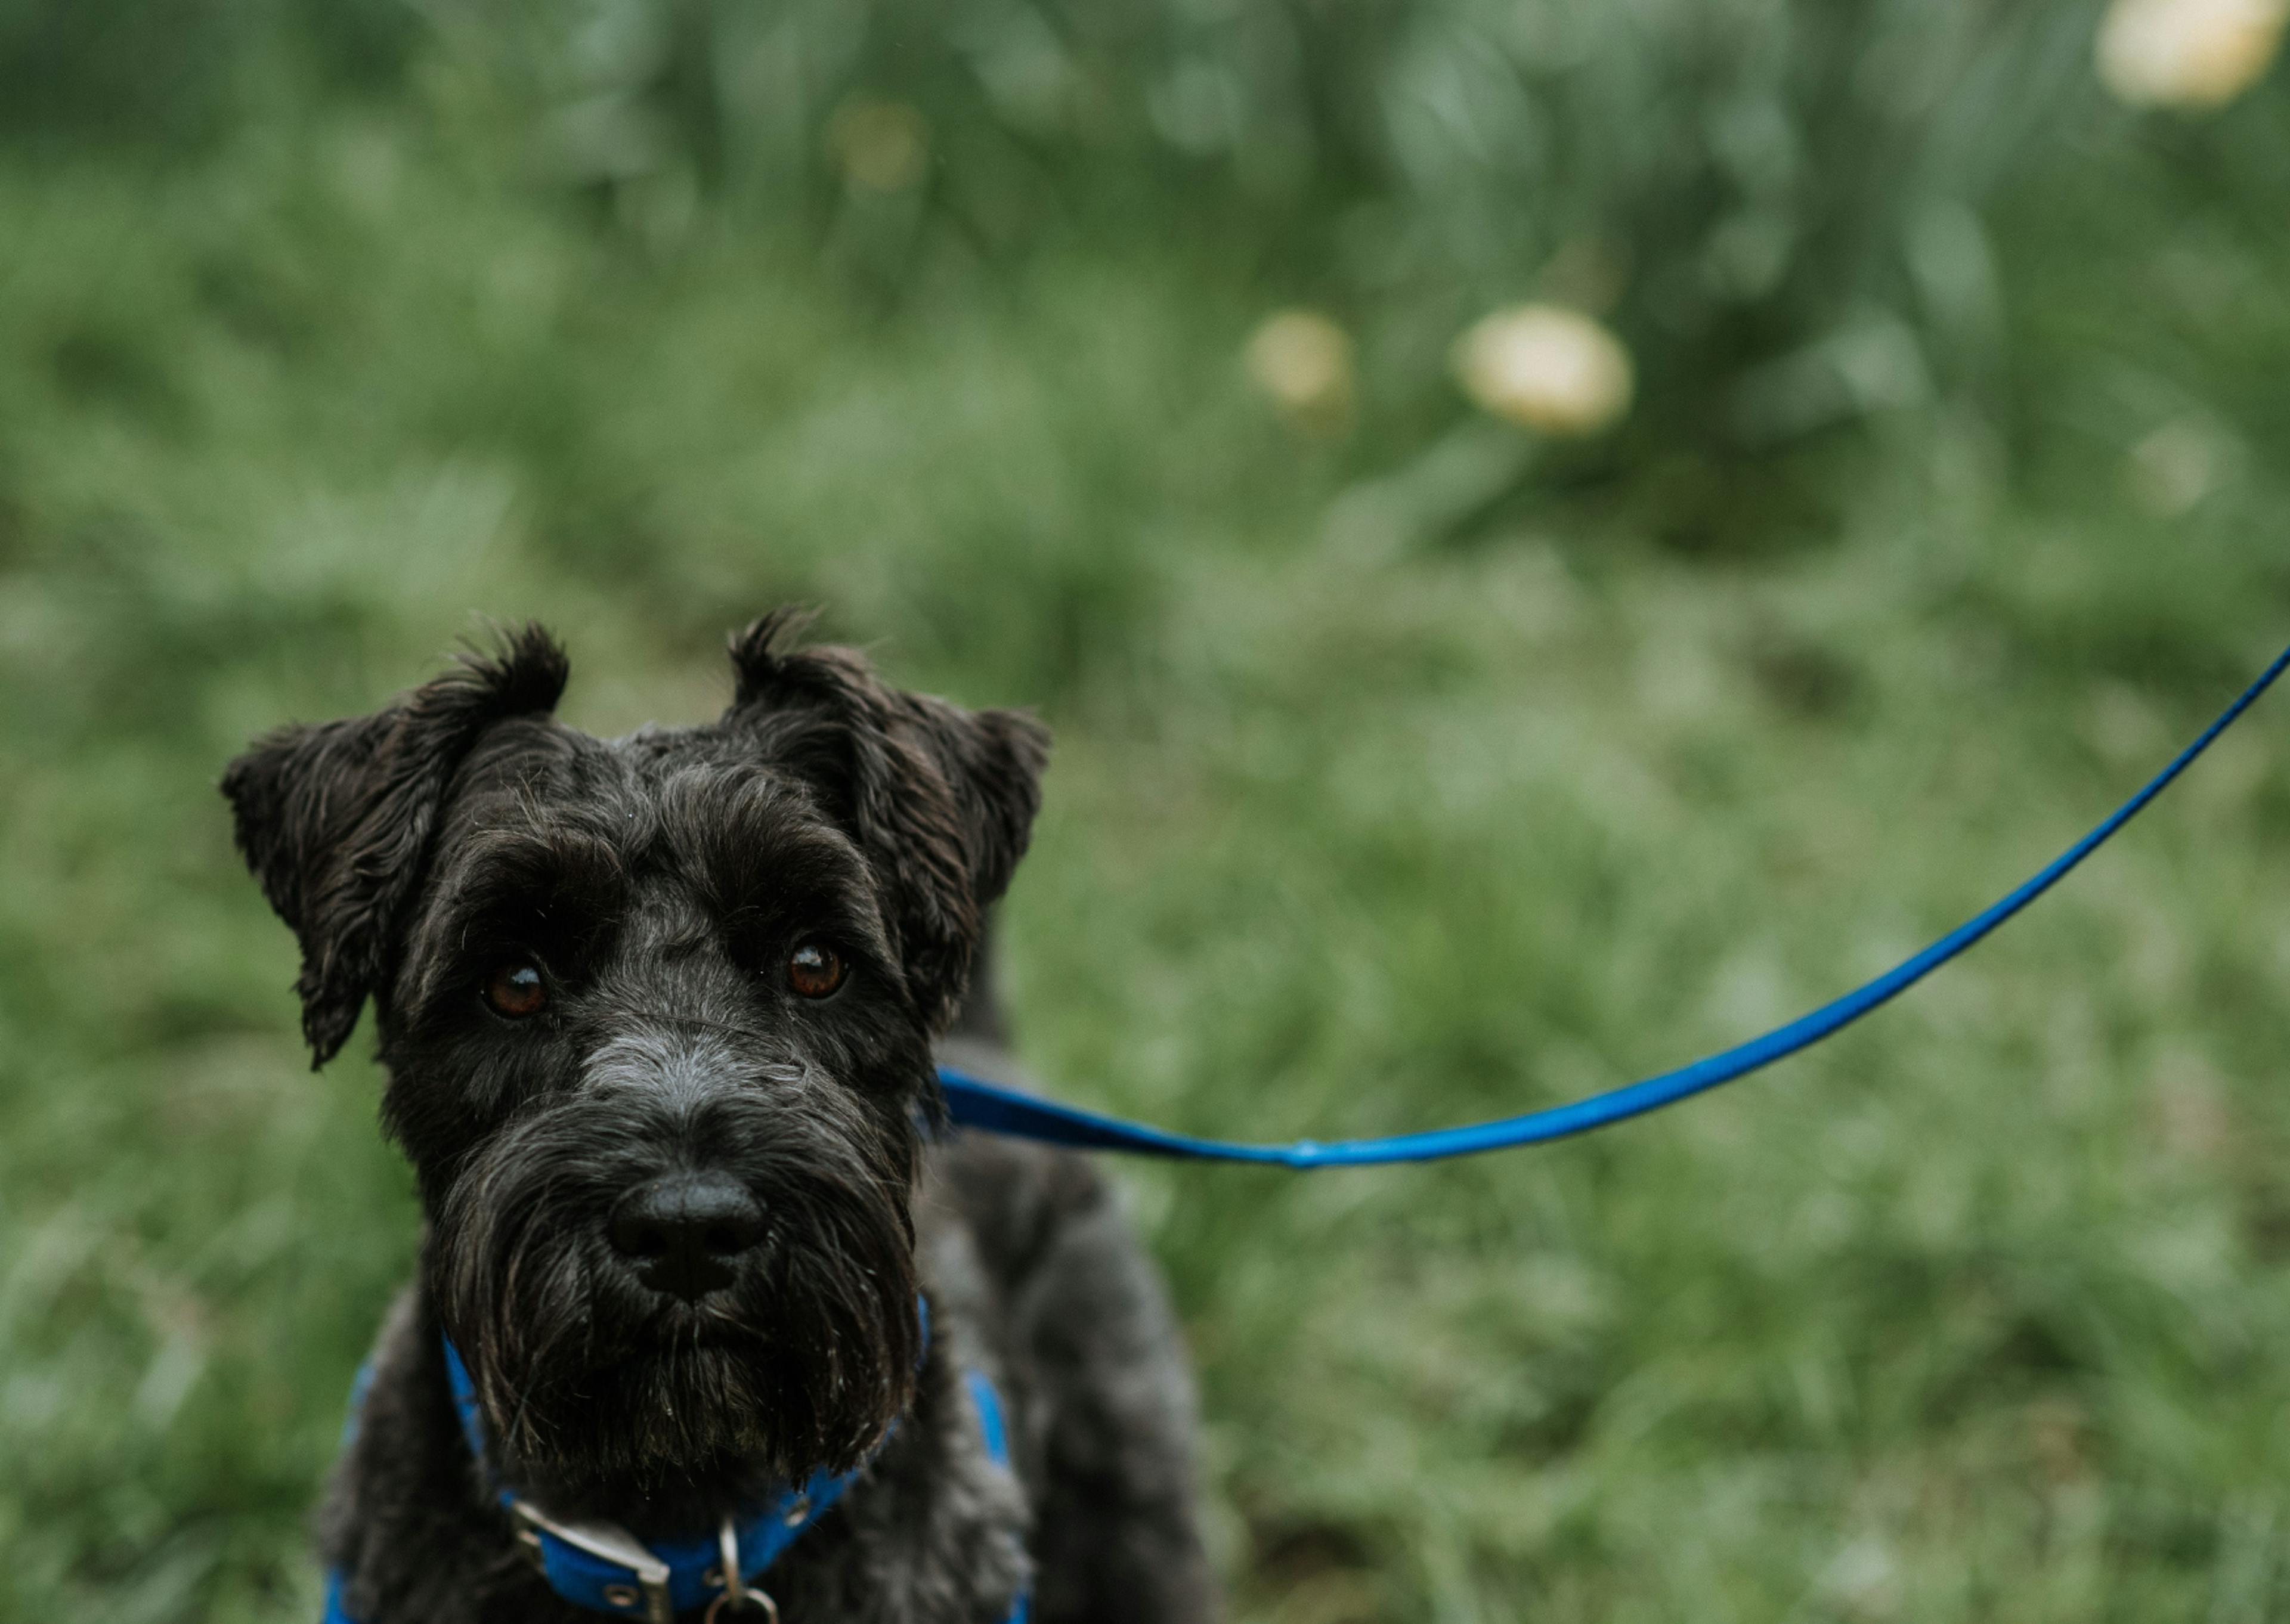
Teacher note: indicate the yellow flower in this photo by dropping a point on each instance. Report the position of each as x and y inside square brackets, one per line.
[1551, 369]
[879, 145]
[1304, 362]
[2188, 53]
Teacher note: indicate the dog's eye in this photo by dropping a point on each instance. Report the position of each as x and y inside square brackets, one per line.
[516, 990]
[814, 970]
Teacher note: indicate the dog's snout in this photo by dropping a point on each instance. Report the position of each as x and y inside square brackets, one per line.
[685, 1234]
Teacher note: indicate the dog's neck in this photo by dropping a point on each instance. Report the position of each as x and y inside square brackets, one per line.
[662, 1501]
[668, 1502]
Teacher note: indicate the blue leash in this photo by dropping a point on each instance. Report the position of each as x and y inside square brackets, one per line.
[971, 1103]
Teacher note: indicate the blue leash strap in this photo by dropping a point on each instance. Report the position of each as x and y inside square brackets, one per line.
[973, 1102]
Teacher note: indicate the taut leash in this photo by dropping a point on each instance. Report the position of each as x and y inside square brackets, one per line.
[973, 1102]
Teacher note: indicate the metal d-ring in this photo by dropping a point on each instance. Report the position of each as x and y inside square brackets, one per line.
[738, 1596]
[748, 1597]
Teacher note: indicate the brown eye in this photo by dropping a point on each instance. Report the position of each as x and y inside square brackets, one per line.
[516, 990]
[815, 971]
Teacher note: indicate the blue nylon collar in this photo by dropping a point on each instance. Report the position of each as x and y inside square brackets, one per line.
[578, 1559]
[973, 1102]
[657, 1581]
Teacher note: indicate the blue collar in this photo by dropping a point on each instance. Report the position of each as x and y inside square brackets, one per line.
[604, 1568]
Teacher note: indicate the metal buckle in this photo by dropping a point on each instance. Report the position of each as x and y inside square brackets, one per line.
[615, 1544]
[738, 1595]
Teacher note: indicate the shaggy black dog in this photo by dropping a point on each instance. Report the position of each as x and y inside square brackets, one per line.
[659, 1017]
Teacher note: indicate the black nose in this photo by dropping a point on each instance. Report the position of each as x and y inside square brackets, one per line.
[685, 1232]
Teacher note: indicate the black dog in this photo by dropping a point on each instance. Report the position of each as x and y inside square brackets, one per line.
[658, 1015]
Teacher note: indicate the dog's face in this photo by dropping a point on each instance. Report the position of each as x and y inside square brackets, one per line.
[657, 1016]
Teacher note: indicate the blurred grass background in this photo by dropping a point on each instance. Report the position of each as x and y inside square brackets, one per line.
[1412, 767]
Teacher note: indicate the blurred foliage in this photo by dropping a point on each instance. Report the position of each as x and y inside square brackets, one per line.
[1409, 769]
[1774, 200]
[1780, 206]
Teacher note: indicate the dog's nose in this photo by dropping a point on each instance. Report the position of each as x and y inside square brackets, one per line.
[685, 1232]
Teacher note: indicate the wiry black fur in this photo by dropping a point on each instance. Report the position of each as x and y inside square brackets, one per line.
[659, 883]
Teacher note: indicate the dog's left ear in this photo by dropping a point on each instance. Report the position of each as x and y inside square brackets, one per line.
[335, 819]
[942, 799]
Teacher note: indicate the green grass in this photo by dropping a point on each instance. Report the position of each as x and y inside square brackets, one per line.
[1975, 1314]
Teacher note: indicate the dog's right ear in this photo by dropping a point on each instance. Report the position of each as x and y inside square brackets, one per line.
[942, 799]
[335, 819]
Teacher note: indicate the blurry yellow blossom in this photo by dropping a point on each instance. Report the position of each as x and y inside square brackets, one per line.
[2174, 468]
[2188, 53]
[1545, 368]
[1304, 362]
[879, 145]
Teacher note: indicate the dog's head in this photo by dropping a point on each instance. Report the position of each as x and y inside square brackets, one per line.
[657, 1015]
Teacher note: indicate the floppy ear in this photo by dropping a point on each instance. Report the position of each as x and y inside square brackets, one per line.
[335, 818]
[940, 799]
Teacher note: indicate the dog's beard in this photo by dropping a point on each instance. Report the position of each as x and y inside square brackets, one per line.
[586, 1379]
